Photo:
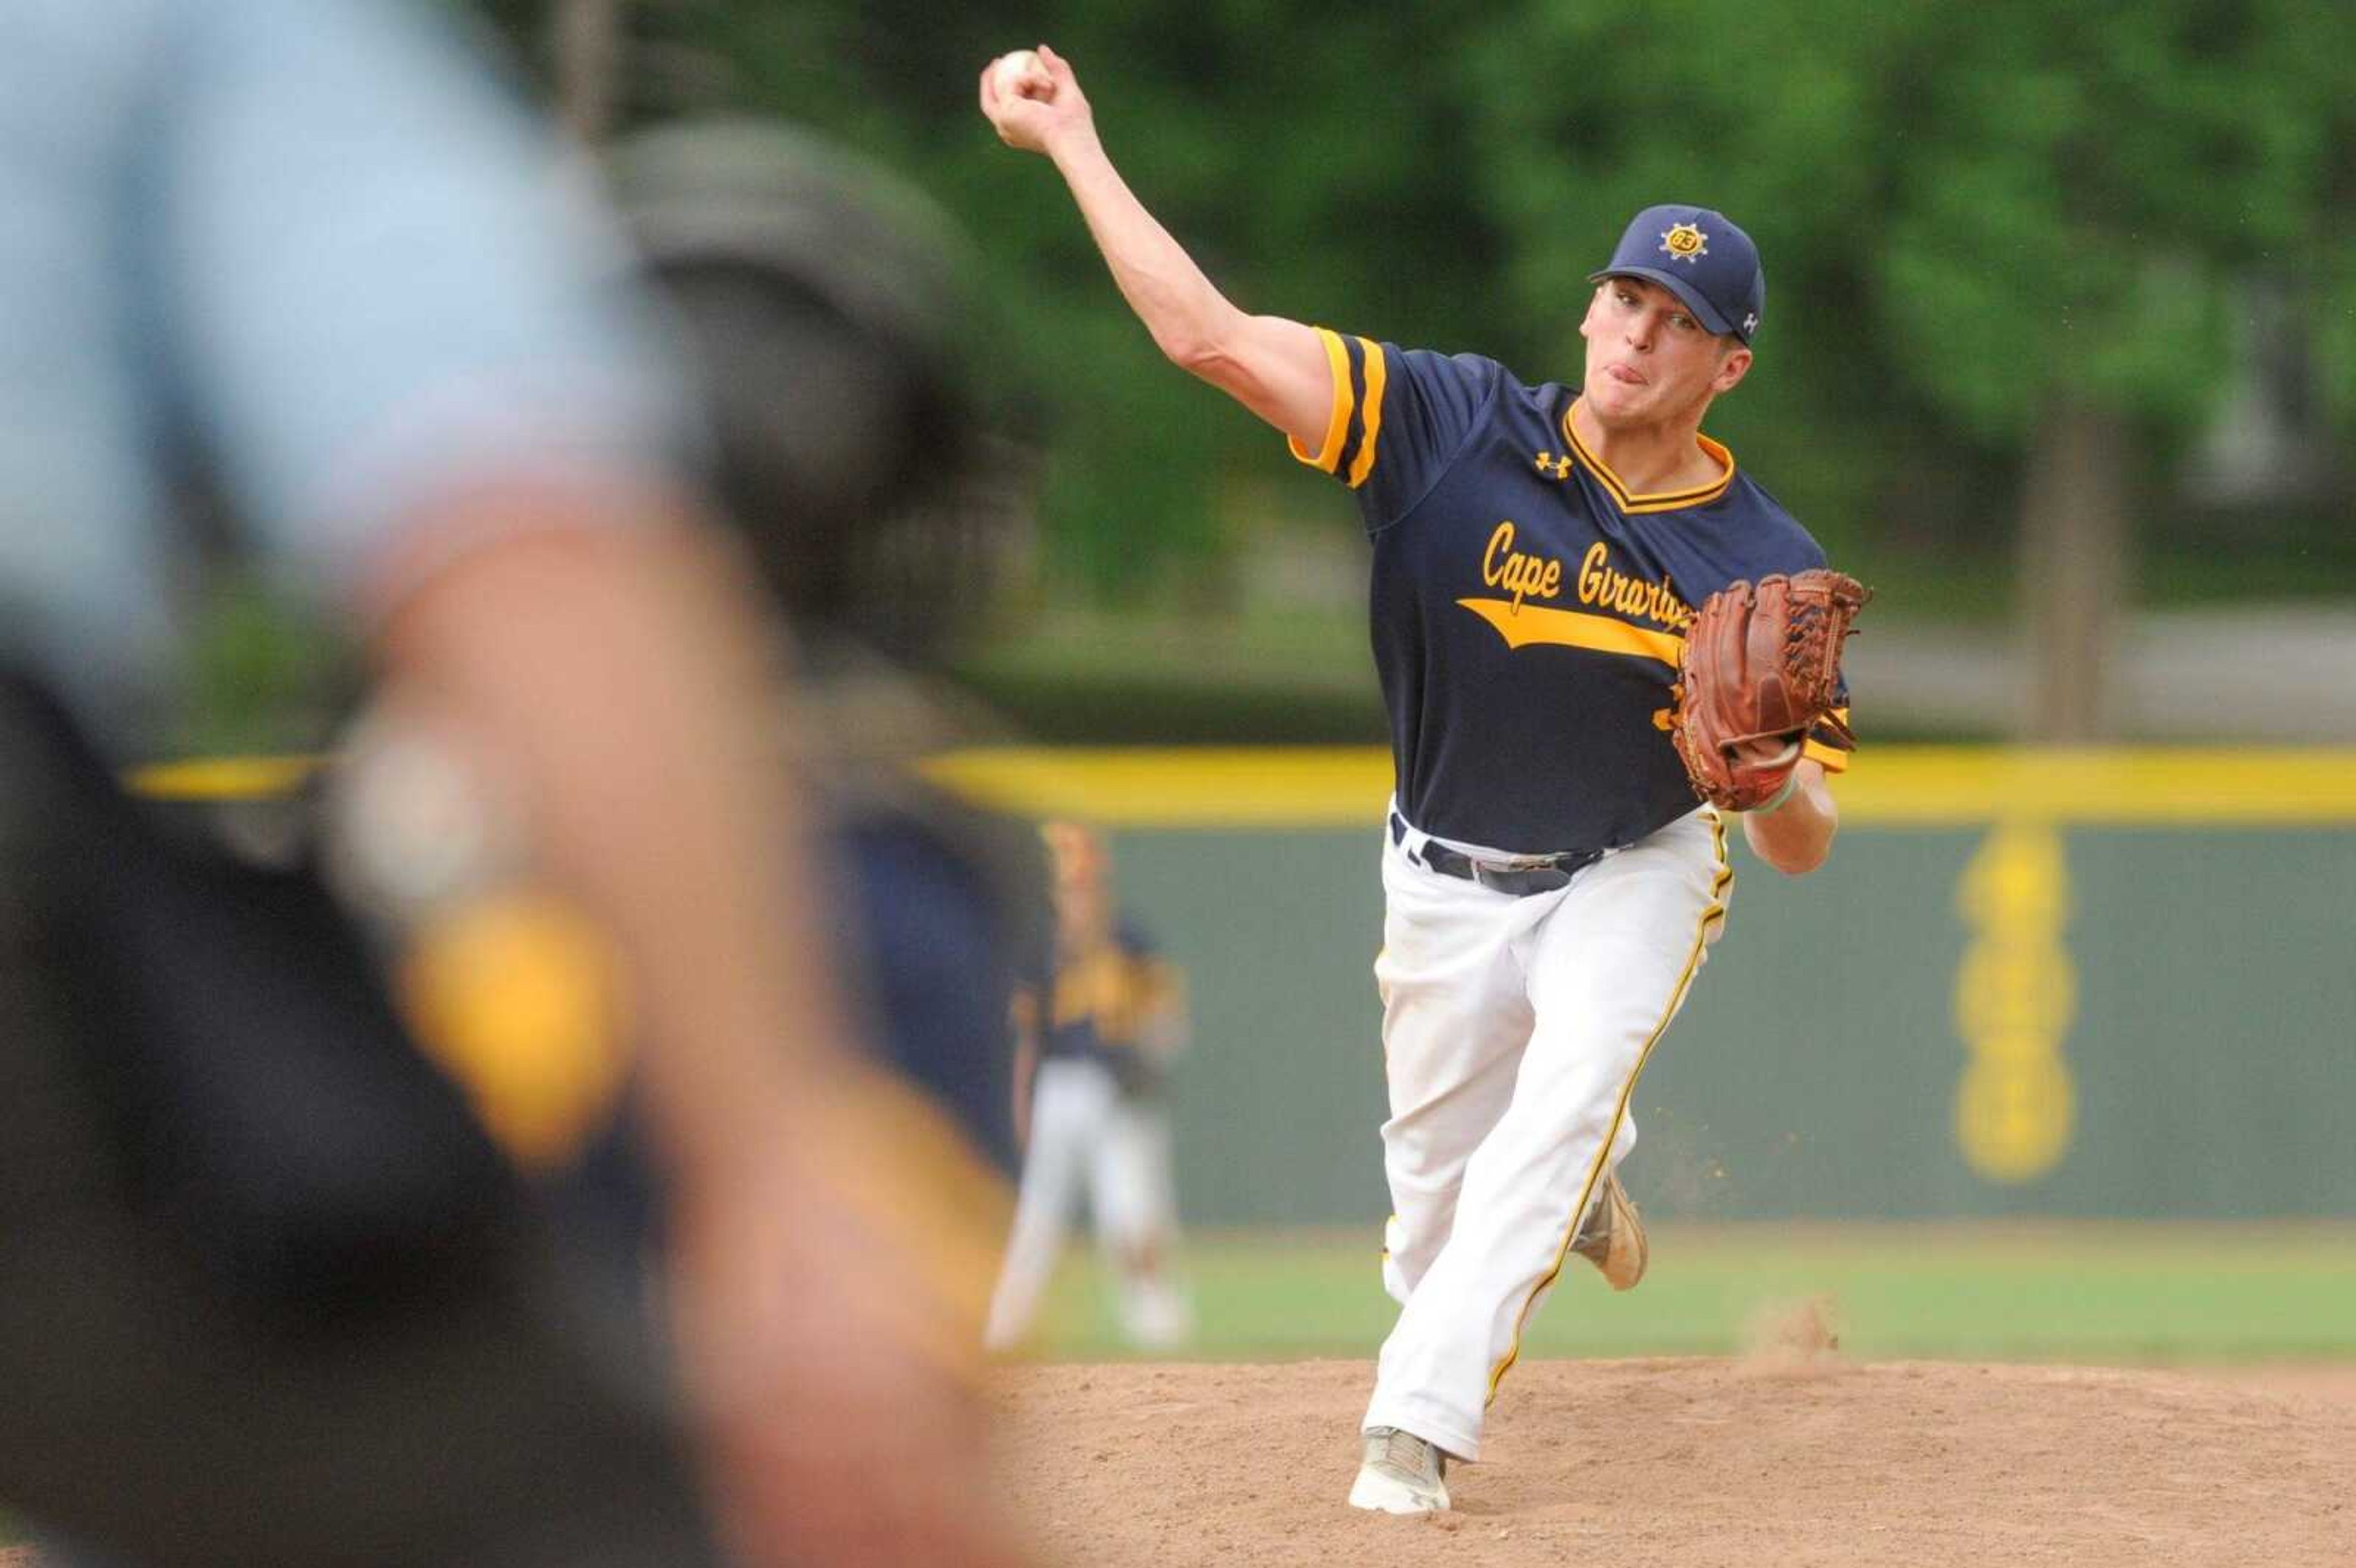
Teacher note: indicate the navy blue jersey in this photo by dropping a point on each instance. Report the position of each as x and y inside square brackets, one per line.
[1118, 1003]
[1528, 611]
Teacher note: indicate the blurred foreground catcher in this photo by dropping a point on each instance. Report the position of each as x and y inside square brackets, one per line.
[305, 1254]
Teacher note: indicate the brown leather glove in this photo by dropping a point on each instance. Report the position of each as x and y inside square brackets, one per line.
[1760, 662]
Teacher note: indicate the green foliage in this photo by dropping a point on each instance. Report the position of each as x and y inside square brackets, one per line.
[2075, 192]
[1969, 212]
[265, 673]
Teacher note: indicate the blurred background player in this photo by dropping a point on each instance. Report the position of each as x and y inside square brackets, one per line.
[275, 1290]
[1112, 1019]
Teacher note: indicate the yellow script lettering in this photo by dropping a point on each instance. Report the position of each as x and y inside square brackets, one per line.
[1631, 596]
[1502, 566]
[1592, 574]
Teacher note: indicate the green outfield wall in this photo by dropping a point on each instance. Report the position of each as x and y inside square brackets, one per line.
[2103, 984]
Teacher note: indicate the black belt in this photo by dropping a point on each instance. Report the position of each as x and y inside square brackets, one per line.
[1529, 873]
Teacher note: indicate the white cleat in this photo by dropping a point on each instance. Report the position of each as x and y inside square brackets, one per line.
[1402, 1474]
[1157, 1317]
[1614, 1240]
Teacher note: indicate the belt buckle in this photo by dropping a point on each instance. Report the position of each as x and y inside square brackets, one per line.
[1522, 878]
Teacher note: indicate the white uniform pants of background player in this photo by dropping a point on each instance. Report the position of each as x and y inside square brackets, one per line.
[1512, 1032]
[1084, 1130]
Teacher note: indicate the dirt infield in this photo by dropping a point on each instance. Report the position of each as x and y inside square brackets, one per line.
[1796, 1459]
[1803, 1461]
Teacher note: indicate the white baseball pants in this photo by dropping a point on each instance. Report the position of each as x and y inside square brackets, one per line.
[1085, 1133]
[1514, 1030]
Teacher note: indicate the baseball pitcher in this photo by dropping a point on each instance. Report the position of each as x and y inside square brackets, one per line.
[1558, 571]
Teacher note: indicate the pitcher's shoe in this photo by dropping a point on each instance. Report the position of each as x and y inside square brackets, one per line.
[1613, 1239]
[1402, 1474]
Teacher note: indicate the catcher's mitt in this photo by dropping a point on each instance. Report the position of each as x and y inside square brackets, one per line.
[1760, 662]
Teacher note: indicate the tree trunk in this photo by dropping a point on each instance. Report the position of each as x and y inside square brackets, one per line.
[2075, 567]
[585, 43]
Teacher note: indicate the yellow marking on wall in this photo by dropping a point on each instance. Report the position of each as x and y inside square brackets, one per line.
[2015, 998]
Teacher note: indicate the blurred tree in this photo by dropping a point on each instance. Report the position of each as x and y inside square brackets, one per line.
[2086, 192]
[2010, 226]
[585, 43]
[1253, 128]
[2006, 240]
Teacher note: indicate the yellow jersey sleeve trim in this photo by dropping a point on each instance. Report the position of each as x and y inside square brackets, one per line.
[1371, 416]
[1337, 424]
[1834, 759]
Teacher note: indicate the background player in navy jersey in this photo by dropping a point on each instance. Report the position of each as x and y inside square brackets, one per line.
[1112, 1018]
[1551, 886]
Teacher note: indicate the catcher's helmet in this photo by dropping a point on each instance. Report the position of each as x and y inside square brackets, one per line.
[826, 304]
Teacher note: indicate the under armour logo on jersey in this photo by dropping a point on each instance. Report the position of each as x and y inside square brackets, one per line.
[1557, 466]
[1686, 242]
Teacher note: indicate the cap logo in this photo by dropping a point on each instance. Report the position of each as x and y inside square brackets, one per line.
[1750, 323]
[1686, 242]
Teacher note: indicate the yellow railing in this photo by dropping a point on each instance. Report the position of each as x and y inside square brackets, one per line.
[1341, 787]
[1896, 786]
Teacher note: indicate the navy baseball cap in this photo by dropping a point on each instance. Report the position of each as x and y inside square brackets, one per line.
[1701, 257]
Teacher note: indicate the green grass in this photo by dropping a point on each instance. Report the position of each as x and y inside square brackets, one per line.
[2094, 1294]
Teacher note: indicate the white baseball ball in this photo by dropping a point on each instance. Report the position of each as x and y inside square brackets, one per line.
[1012, 70]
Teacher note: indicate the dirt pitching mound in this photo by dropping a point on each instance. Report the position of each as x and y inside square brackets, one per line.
[1792, 1457]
